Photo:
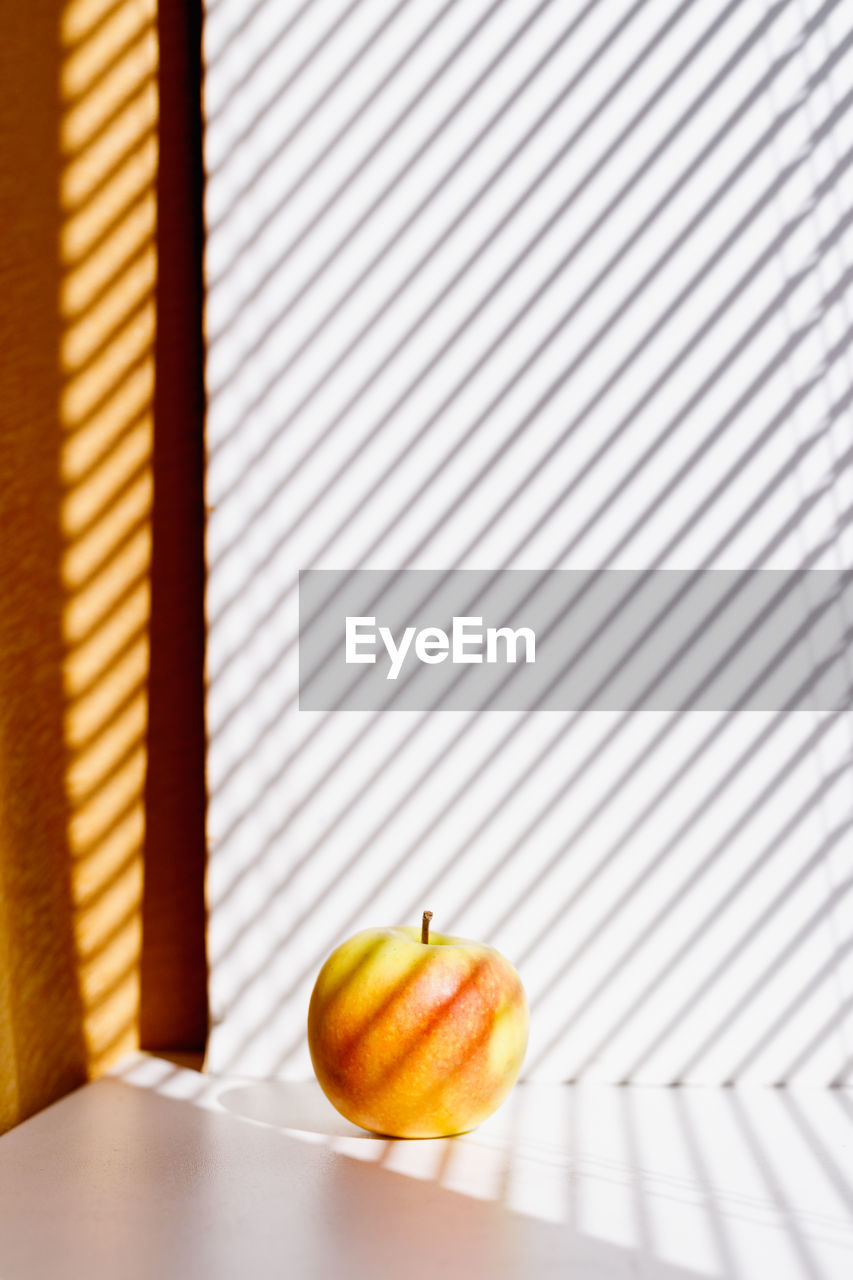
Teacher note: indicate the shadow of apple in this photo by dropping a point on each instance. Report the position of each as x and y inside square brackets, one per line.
[290, 1104]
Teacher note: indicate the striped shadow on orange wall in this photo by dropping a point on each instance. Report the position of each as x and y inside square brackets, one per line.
[101, 640]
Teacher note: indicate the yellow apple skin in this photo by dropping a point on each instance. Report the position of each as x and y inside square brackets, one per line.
[413, 1039]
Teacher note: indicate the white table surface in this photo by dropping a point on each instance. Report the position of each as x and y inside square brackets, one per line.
[161, 1172]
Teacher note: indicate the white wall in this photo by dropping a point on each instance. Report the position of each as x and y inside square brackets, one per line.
[506, 284]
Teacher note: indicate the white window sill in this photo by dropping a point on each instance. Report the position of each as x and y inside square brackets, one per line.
[157, 1171]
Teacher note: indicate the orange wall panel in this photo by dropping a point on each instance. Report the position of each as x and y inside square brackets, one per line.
[78, 325]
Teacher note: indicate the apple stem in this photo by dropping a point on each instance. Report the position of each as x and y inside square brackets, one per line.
[425, 926]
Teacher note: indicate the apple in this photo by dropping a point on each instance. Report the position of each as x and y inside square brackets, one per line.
[416, 1035]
